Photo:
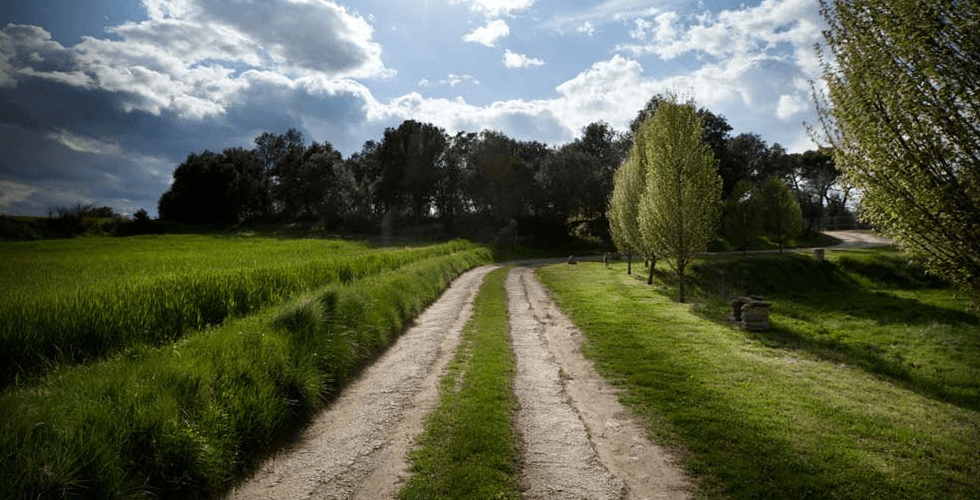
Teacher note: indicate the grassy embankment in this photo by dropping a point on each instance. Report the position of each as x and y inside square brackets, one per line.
[467, 449]
[181, 419]
[866, 386]
[67, 301]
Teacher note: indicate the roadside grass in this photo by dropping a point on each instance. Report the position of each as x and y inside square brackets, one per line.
[69, 301]
[866, 386]
[467, 448]
[181, 420]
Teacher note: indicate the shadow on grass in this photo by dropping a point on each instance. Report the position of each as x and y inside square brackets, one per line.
[820, 299]
[873, 359]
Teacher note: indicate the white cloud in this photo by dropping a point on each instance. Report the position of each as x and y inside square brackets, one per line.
[190, 56]
[586, 28]
[515, 60]
[489, 34]
[733, 32]
[12, 193]
[451, 80]
[496, 8]
[790, 106]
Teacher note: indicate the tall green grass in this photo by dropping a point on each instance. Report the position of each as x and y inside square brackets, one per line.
[181, 420]
[69, 301]
[468, 447]
[864, 387]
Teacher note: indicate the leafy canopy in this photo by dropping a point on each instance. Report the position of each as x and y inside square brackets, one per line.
[904, 118]
[680, 207]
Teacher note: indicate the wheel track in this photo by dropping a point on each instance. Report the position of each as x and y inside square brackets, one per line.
[357, 447]
[565, 402]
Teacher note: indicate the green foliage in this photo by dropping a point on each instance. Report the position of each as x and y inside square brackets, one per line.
[742, 219]
[853, 393]
[628, 186]
[468, 447]
[781, 214]
[178, 421]
[69, 301]
[679, 208]
[903, 118]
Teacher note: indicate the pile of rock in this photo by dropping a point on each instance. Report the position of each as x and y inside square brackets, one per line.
[750, 313]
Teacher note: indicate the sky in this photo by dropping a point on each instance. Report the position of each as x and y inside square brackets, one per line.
[101, 100]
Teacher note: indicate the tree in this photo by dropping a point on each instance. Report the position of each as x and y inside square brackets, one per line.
[742, 216]
[629, 184]
[904, 116]
[281, 157]
[199, 192]
[781, 214]
[679, 209]
[409, 157]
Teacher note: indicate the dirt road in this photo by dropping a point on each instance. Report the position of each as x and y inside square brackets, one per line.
[577, 440]
[858, 239]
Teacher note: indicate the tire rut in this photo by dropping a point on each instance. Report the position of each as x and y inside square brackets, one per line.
[357, 448]
[578, 440]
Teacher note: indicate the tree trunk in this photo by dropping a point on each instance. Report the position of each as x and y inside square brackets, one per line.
[680, 279]
[629, 263]
[653, 264]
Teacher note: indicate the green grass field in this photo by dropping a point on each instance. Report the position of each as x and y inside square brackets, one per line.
[67, 301]
[866, 386]
[182, 419]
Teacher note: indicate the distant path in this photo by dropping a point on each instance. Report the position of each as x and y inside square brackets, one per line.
[858, 239]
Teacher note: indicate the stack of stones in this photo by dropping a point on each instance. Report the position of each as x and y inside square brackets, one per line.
[750, 313]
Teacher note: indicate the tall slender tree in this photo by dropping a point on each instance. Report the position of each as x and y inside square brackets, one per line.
[904, 118]
[680, 208]
[629, 182]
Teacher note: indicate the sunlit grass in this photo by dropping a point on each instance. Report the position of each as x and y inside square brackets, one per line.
[854, 393]
[66, 301]
[180, 420]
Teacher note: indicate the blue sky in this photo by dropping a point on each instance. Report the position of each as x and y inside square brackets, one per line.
[100, 100]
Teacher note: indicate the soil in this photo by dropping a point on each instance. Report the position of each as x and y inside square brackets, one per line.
[577, 441]
[858, 239]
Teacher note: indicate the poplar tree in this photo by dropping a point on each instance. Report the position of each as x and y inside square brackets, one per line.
[628, 186]
[904, 117]
[680, 205]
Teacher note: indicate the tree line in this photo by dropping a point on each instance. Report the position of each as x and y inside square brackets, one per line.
[470, 184]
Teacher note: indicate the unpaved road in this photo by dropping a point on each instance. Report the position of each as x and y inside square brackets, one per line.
[578, 442]
[858, 239]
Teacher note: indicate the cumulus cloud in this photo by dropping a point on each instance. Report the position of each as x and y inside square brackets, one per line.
[489, 34]
[732, 32]
[514, 60]
[189, 56]
[790, 106]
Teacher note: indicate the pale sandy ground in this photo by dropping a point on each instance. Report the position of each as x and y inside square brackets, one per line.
[578, 442]
[858, 239]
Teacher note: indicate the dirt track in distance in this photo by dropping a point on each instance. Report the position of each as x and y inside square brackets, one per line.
[578, 442]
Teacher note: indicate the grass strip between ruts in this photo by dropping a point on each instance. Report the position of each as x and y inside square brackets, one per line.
[467, 449]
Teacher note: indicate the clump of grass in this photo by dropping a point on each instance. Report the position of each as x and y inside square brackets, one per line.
[179, 421]
[56, 311]
[777, 415]
[467, 449]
